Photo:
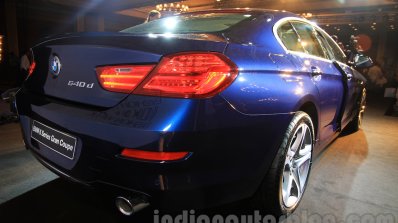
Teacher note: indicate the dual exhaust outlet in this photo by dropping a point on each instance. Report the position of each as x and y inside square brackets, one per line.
[131, 205]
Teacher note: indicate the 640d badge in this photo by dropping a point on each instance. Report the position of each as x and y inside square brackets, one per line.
[80, 84]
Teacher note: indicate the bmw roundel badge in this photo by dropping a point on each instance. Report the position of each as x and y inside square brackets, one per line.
[55, 65]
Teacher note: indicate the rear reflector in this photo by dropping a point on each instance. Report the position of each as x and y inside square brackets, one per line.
[122, 78]
[31, 68]
[189, 75]
[154, 156]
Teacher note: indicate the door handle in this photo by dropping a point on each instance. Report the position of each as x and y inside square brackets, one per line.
[315, 71]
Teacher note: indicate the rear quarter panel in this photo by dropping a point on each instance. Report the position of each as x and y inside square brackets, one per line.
[268, 83]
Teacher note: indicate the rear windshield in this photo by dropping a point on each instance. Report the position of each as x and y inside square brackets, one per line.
[190, 23]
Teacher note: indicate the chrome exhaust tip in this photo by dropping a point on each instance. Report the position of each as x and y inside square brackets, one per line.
[129, 206]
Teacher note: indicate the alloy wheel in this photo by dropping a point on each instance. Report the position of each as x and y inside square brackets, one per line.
[297, 166]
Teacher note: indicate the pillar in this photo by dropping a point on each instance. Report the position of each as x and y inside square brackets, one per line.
[101, 23]
[80, 23]
[12, 29]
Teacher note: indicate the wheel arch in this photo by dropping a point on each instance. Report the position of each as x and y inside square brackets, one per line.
[311, 109]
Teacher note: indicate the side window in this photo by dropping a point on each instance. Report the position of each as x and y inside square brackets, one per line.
[325, 45]
[289, 37]
[308, 37]
[337, 52]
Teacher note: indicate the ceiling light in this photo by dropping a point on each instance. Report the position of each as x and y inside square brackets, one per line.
[307, 15]
[172, 7]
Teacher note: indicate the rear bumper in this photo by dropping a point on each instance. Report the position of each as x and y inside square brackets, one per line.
[231, 152]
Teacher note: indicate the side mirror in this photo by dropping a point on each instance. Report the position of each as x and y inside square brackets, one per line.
[362, 61]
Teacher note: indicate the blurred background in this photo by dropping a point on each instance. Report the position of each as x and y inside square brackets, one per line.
[373, 24]
[357, 174]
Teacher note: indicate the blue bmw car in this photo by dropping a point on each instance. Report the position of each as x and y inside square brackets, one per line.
[194, 110]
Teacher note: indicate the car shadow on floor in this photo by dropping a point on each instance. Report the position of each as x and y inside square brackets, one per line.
[63, 201]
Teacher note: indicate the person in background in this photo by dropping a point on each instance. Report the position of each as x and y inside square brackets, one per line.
[153, 15]
[396, 74]
[12, 68]
[376, 76]
[352, 49]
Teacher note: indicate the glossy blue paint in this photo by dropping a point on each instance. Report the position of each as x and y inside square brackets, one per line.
[233, 136]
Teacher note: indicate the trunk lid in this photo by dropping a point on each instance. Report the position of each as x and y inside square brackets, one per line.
[79, 54]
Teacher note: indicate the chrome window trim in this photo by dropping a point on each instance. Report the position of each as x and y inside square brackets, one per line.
[289, 19]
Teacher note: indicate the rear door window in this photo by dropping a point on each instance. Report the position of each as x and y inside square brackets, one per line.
[325, 45]
[337, 52]
[308, 39]
[289, 37]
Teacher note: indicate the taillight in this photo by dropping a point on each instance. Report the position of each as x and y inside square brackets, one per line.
[32, 67]
[154, 156]
[189, 75]
[122, 78]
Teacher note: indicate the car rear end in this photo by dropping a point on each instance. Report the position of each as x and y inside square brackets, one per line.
[143, 114]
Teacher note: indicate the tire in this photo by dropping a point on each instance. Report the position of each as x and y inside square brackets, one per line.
[282, 190]
[356, 123]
